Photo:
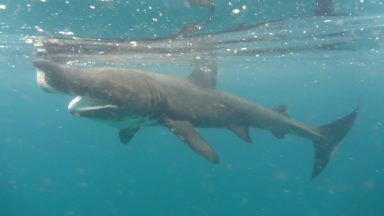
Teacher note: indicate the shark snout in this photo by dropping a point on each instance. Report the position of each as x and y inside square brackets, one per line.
[46, 66]
[42, 72]
[50, 76]
[41, 64]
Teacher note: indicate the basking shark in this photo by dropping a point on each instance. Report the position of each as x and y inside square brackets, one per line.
[131, 99]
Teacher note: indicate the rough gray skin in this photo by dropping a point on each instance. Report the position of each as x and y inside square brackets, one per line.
[182, 104]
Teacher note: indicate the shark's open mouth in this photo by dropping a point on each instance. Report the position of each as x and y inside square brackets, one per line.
[103, 111]
[81, 106]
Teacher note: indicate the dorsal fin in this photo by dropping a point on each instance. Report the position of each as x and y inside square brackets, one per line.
[205, 73]
[282, 109]
[242, 132]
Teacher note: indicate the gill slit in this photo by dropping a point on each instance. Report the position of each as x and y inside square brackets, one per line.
[157, 100]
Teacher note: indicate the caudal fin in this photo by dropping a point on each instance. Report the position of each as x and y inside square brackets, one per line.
[333, 132]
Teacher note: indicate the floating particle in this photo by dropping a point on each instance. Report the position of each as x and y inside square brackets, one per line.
[236, 11]
[39, 29]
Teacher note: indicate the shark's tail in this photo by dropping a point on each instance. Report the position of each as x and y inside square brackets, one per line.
[333, 132]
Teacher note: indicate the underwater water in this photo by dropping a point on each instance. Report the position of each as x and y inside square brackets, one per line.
[53, 163]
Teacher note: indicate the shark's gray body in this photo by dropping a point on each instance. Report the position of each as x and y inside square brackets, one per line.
[131, 99]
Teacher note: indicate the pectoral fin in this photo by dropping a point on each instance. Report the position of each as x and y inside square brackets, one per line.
[125, 135]
[186, 132]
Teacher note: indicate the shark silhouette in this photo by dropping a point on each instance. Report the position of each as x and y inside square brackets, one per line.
[132, 99]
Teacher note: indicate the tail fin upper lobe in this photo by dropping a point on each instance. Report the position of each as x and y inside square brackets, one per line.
[333, 132]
